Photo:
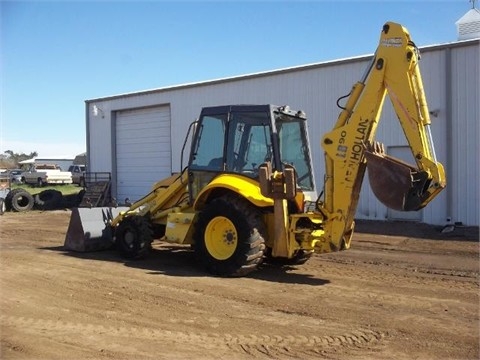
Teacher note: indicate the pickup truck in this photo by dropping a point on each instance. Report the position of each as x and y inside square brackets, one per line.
[78, 174]
[42, 174]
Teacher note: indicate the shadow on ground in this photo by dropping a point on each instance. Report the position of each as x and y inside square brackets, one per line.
[177, 260]
[418, 230]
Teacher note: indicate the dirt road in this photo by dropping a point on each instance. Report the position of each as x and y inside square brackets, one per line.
[410, 296]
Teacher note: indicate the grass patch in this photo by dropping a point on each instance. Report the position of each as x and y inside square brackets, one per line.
[67, 189]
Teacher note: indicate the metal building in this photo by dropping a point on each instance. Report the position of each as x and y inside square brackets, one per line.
[138, 137]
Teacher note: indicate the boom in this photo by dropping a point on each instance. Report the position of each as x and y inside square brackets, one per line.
[350, 148]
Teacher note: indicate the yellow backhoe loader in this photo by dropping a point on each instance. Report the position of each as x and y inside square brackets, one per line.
[247, 194]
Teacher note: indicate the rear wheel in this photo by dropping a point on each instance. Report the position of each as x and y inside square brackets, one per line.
[228, 237]
[133, 237]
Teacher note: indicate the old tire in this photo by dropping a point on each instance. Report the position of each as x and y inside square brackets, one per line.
[19, 200]
[73, 200]
[228, 237]
[3, 207]
[133, 237]
[80, 195]
[49, 200]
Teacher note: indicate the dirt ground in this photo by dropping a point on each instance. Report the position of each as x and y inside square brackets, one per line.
[404, 291]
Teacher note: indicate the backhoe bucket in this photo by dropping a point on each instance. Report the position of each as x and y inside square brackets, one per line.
[88, 229]
[398, 185]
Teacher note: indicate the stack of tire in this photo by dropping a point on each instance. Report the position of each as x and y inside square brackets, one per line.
[21, 200]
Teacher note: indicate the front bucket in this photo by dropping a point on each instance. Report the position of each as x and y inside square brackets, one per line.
[87, 230]
[398, 185]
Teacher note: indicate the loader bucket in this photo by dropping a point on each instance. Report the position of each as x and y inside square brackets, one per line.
[87, 230]
[398, 185]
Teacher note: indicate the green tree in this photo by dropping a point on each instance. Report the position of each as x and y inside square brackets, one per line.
[12, 159]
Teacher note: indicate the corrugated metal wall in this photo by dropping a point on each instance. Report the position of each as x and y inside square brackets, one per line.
[450, 74]
[464, 124]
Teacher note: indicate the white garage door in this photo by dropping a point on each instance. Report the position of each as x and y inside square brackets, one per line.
[143, 150]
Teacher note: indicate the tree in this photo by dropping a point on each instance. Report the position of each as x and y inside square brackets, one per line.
[11, 159]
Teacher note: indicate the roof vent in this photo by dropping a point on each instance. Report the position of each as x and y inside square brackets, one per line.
[468, 26]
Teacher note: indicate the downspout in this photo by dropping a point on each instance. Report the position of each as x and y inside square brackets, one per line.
[113, 135]
[449, 135]
[87, 134]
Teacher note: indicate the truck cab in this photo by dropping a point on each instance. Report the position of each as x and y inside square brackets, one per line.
[78, 174]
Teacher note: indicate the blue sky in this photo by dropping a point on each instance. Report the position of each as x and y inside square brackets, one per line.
[55, 55]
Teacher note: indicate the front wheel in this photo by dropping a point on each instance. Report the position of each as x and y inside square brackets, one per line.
[3, 207]
[228, 237]
[133, 237]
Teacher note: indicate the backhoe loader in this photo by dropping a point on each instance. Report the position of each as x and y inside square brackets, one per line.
[247, 194]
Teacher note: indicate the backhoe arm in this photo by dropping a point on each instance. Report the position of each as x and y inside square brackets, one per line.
[350, 147]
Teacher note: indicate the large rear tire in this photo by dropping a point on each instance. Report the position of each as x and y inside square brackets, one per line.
[228, 237]
[133, 237]
[19, 200]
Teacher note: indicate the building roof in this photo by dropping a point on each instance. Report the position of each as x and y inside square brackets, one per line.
[468, 26]
[471, 15]
[270, 72]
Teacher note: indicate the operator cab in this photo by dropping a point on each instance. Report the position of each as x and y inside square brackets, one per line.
[238, 139]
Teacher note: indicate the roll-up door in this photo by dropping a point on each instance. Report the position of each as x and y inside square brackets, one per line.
[143, 150]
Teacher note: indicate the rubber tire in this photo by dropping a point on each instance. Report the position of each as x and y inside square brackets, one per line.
[249, 226]
[49, 200]
[299, 258]
[133, 237]
[3, 206]
[19, 200]
[79, 197]
[8, 201]
[73, 200]
[40, 182]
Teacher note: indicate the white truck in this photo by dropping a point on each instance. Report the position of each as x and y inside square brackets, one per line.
[78, 174]
[43, 174]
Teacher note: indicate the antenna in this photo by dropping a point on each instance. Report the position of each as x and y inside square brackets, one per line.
[473, 3]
